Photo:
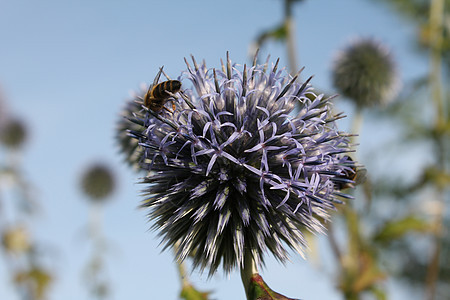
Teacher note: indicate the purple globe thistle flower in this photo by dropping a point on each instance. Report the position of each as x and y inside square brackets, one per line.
[235, 171]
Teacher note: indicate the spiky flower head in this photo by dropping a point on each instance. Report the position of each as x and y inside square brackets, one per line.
[97, 182]
[234, 170]
[128, 145]
[365, 73]
[13, 133]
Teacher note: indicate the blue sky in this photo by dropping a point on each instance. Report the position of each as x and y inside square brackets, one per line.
[66, 67]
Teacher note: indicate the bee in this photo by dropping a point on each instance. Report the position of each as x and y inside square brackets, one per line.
[351, 177]
[157, 95]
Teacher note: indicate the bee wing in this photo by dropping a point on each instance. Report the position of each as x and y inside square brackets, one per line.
[155, 81]
[164, 73]
[360, 176]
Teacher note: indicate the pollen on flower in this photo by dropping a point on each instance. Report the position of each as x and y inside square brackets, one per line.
[235, 168]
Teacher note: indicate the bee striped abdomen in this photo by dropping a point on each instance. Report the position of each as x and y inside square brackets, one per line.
[157, 96]
[159, 91]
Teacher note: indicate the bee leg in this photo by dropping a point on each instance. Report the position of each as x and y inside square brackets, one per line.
[173, 107]
[168, 110]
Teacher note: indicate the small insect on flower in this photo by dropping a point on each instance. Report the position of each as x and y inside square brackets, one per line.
[157, 95]
[351, 177]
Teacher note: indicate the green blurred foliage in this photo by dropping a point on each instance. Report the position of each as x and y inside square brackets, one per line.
[95, 276]
[423, 110]
[369, 257]
[418, 11]
[259, 290]
[22, 259]
[414, 268]
[35, 280]
[16, 240]
[189, 292]
[277, 33]
[396, 229]
[404, 233]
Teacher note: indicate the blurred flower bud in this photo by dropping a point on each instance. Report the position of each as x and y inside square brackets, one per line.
[13, 133]
[98, 182]
[365, 73]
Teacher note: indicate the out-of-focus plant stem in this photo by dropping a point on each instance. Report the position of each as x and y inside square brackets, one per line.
[436, 38]
[188, 291]
[334, 245]
[97, 284]
[19, 262]
[290, 36]
[95, 223]
[349, 214]
[351, 262]
[285, 33]
[357, 124]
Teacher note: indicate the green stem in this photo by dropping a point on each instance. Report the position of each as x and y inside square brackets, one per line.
[436, 39]
[248, 270]
[184, 278]
[433, 267]
[183, 274]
